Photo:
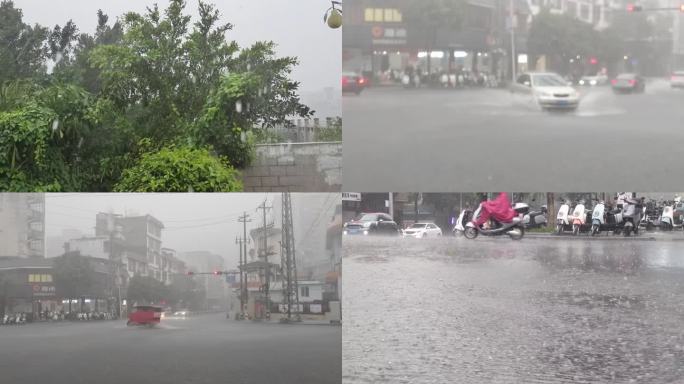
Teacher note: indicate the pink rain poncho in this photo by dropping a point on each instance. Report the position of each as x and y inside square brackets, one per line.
[499, 209]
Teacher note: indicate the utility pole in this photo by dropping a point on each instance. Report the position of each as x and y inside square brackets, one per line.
[238, 241]
[511, 15]
[391, 204]
[265, 208]
[290, 288]
[244, 219]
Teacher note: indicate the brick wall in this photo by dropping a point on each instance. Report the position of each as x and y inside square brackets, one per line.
[295, 167]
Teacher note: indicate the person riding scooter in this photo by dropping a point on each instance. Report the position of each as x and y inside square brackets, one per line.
[499, 209]
[631, 215]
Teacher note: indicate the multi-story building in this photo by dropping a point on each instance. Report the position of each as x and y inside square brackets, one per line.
[22, 224]
[214, 285]
[136, 240]
[172, 266]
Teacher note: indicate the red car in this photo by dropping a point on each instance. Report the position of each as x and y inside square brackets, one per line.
[351, 82]
[145, 315]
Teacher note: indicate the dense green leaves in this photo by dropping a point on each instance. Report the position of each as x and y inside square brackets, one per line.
[180, 170]
[134, 105]
[22, 47]
[73, 275]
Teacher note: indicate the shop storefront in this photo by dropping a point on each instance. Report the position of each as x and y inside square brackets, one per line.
[379, 41]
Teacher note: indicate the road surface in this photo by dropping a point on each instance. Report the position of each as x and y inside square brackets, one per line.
[436, 140]
[203, 349]
[453, 310]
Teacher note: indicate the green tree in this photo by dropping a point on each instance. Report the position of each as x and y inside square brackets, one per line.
[146, 290]
[180, 170]
[561, 38]
[23, 48]
[175, 84]
[74, 276]
[436, 15]
[43, 133]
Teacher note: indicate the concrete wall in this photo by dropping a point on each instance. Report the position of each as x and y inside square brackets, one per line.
[295, 167]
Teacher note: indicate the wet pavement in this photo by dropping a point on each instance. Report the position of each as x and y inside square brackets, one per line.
[430, 140]
[492, 310]
[202, 349]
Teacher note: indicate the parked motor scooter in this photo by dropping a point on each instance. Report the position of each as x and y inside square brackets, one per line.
[579, 217]
[536, 219]
[463, 218]
[598, 218]
[514, 229]
[562, 218]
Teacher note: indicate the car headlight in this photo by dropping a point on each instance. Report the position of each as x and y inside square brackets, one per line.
[593, 82]
[344, 232]
[581, 82]
[365, 232]
[545, 94]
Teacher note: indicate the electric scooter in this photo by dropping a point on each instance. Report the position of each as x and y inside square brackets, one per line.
[579, 216]
[598, 218]
[562, 218]
[514, 229]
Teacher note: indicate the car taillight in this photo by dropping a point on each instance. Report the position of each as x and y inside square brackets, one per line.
[632, 82]
[344, 80]
[614, 81]
[362, 80]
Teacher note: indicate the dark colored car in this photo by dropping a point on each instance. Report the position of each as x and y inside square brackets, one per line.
[372, 224]
[628, 83]
[351, 82]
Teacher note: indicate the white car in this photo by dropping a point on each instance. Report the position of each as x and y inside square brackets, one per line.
[594, 80]
[677, 79]
[422, 230]
[548, 90]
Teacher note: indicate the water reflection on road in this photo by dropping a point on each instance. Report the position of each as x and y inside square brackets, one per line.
[453, 310]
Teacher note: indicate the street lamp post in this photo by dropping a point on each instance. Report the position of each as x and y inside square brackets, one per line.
[511, 15]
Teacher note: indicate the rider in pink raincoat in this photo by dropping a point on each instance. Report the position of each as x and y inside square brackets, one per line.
[499, 209]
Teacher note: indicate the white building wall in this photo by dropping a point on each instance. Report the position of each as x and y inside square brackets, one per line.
[90, 246]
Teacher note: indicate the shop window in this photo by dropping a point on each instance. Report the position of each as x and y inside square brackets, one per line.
[382, 15]
[305, 291]
[32, 278]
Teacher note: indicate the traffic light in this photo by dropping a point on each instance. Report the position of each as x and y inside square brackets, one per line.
[593, 61]
[634, 8]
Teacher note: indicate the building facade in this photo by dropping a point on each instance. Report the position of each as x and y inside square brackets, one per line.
[22, 224]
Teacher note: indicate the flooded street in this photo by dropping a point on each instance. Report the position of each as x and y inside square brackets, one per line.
[495, 310]
[490, 139]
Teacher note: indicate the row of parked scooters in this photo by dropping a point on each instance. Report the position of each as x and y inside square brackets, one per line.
[23, 317]
[627, 217]
[623, 219]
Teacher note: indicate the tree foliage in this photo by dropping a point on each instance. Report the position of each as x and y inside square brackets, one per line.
[73, 275]
[146, 290]
[180, 170]
[148, 88]
[22, 47]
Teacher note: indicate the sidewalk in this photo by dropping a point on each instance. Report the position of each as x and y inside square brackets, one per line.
[603, 236]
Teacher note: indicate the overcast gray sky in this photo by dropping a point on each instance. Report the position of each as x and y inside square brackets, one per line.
[205, 221]
[296, 26]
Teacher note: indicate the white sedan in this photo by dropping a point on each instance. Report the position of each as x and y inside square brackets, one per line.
[677, 79]
[548, 90]
[422, 230]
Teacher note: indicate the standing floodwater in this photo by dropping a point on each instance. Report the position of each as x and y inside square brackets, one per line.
[547, 311]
